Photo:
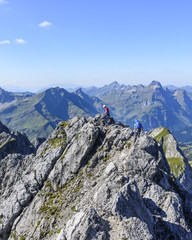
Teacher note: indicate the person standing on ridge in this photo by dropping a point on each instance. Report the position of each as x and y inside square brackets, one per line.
[137, 129]
[106, 111]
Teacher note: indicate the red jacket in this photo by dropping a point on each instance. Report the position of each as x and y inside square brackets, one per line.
[107, 110]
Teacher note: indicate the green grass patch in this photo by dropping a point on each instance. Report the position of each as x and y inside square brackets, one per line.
[48, 184]
[128, 144]
[89, 175]
[58, 230]
[77, 189]
[49, 209]
[64, 124]
[73, 209]
[13, 235]
[22, 237]
[162, 134]
[76, 136]
[177, 166]
[57, 142]
[38, 223]
[106, 158]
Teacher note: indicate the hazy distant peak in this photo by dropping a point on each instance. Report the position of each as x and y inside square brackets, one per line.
[179, 90]
[180, 93]
[155, 84]
[79, 90]
[114, 83]
[55, 90]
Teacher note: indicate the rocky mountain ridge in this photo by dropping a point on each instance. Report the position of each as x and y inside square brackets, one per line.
[88, 180]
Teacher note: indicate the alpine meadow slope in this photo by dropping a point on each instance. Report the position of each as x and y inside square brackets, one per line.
[90, 181]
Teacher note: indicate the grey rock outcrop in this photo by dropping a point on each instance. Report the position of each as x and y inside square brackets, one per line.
[11, 142]
[88, 180]
[178, 163]
[36, 142]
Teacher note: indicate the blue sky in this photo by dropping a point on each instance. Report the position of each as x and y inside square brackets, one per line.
[95, 42]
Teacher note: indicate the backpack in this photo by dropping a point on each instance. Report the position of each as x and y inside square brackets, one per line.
[138, 124]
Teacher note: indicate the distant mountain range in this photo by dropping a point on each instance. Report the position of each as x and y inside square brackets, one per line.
[116, 86]
[154, 105]
[38, 114]
[186, 88]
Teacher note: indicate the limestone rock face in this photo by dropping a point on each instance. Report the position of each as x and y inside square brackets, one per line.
[36, 142]
[89, 180]
[178, 163]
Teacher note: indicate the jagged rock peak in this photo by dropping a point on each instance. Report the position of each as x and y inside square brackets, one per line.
[79, 91]
[89, 180]
[115, 83]
[155, 84]
[13, 143]
[180, 92]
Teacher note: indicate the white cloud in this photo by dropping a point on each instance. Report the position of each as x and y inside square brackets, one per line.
[2, 1]
[45, 24]
[5, 42]
[20, 41]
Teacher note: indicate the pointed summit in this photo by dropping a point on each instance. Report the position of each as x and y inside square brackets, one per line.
[155, 84]
[114, 83]
[79, 91]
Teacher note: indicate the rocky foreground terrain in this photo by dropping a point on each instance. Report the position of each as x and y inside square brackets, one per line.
[90, 181]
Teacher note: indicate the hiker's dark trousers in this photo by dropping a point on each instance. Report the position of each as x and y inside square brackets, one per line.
[137, 134]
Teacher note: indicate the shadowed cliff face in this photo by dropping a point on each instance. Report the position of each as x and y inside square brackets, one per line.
[89, 181]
